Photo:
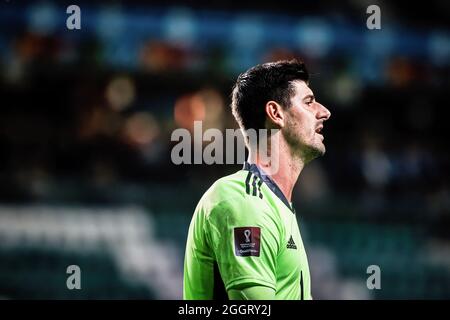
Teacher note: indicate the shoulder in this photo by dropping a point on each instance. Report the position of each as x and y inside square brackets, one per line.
[225, 191]
[229, 186]
[229, 201]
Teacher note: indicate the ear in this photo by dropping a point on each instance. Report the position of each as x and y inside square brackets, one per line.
[275, 114]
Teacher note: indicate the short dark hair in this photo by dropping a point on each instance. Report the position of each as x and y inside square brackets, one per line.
[262, 83]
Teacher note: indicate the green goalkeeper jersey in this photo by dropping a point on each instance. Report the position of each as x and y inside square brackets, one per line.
[244, 232]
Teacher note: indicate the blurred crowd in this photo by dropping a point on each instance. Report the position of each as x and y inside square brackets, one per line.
[98, 105]
[87, 115]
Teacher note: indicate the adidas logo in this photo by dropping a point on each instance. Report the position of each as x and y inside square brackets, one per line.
[291, 244]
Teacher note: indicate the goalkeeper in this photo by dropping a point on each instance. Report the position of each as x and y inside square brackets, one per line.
[244, 240]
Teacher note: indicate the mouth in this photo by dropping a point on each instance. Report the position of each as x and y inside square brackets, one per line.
[319, 130]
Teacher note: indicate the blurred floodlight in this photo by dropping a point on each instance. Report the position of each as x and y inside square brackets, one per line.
[141, 128]
[180, 26]
[111, 23]
[376, 167]
[42, 18]
[439, 48]
[189, 108]
[379, 42]
[120, 93]
[314, 36]
[214, 106]
[205, 105]
[346, 89]
[14, 71]
[247, 32]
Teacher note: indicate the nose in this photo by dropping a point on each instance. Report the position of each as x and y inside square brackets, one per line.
[323, 112]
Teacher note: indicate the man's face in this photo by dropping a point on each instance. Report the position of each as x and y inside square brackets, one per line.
[304, 122]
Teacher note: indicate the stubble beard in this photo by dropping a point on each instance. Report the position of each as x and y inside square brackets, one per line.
[304, 149]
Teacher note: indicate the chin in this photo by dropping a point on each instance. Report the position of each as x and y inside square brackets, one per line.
[322, 149]
[313, 152]
[320, 152]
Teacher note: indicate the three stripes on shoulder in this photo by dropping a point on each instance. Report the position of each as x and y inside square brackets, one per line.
[253, 185]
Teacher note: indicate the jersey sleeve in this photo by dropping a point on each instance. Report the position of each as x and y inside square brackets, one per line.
[245, 238]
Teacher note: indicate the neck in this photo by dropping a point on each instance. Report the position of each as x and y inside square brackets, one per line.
[286, 171]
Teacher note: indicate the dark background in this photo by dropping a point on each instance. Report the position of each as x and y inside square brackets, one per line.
[86, 118]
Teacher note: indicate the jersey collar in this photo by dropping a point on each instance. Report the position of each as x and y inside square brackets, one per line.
[253, 168]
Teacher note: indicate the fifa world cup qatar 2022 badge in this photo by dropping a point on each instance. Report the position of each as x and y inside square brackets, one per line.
[247, 241]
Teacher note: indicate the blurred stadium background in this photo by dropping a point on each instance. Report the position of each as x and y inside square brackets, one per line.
[86, 118]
